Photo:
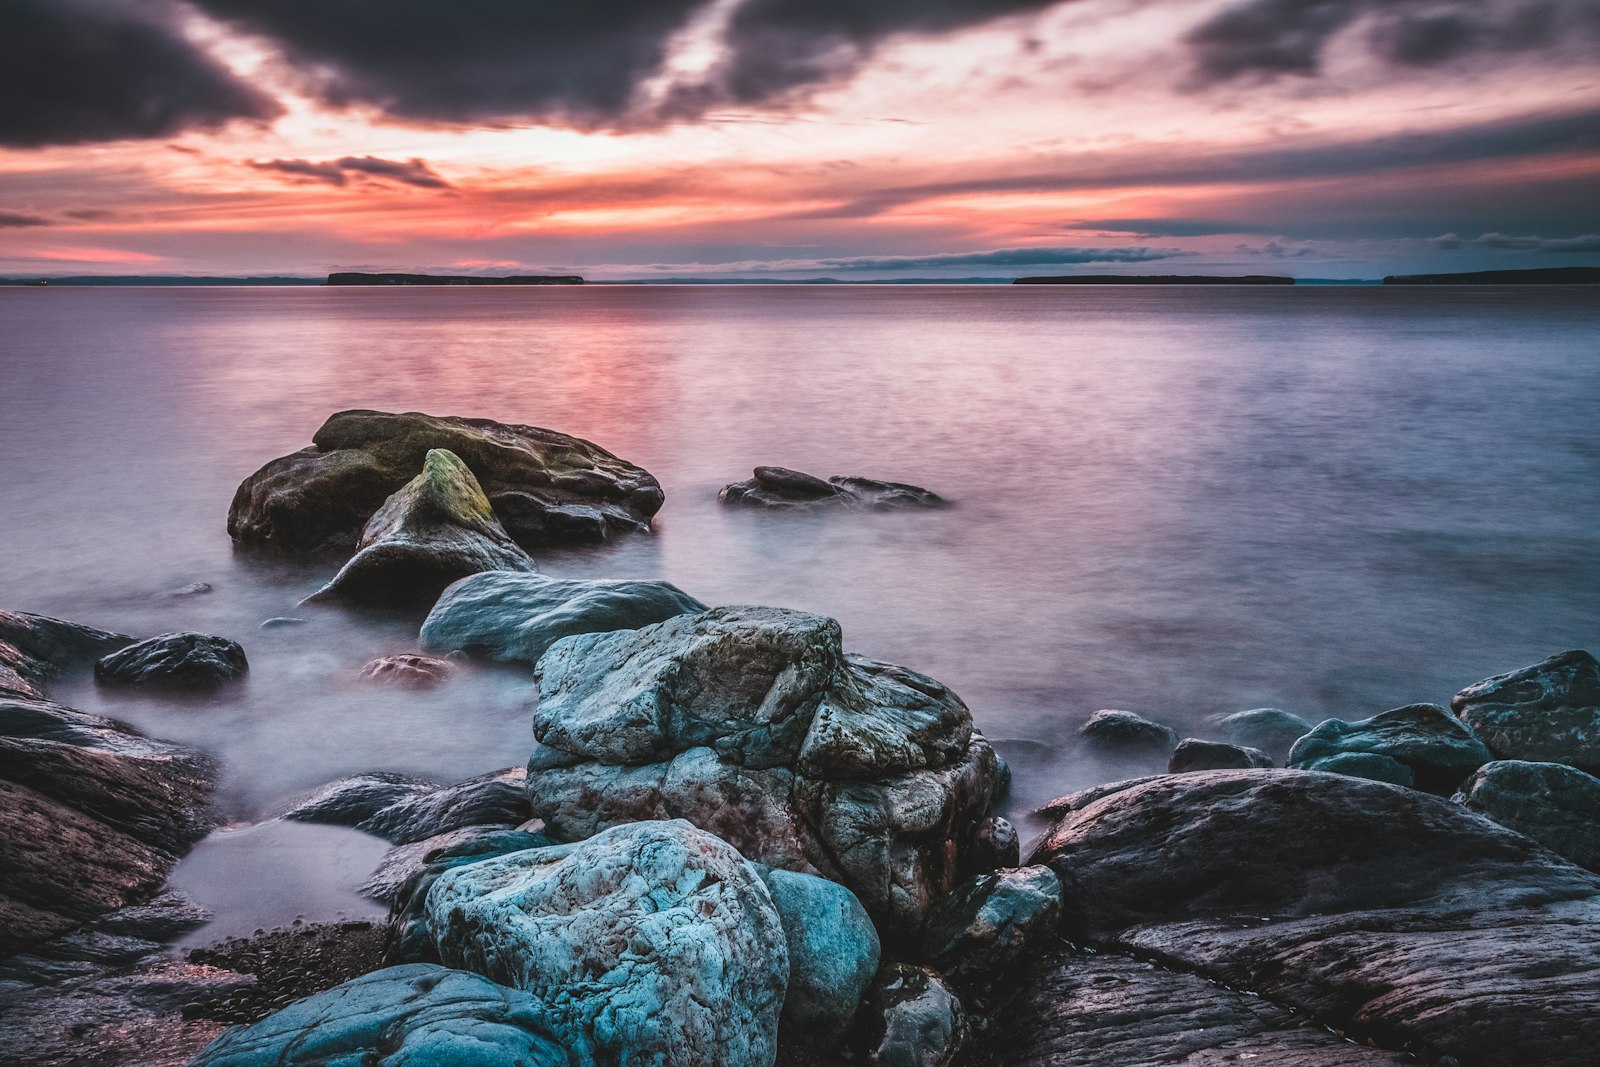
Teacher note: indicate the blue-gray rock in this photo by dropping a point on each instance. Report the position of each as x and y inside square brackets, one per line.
[417, 1015]
[401, 809]
[407, 872]
[1435, 747]
[913, 1019]
[436, 528]
[991, 921]
[1549, 712]
[755, 725]
[1556, 805]
[514, 617]
[1272, 730]
[1126, 741]
[651, 943]
[175, 661]
[1193, 754]
[1372, 766]
[780, 487]
[833, 954]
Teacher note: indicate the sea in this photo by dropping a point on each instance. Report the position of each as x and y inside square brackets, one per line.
[1177, 501]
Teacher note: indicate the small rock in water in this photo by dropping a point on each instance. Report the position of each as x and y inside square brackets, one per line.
[1195, 755]
[175, 661]
[1127, 740]
[780, 487]
[192, 589]
[408, 671]
[1271, 730]
[1548, 712]
[1435, 748]
[282, 621]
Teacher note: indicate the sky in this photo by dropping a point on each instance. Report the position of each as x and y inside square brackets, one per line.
[786, 139]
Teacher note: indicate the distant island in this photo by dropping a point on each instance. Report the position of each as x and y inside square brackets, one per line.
[1155, 279]
[353, 278]
[1536, 276]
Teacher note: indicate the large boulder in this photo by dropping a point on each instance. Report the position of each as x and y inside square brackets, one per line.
[418, 1015]
[514, 617]
[1556, 805]
[34, 650]
[1549, 712]
[547, 488]
[436, 528]
[1393, 915]
[780, 487]
[754, 724]
[175, 661]
[1423, 738]
[403, 810]
[652, 943]
[1272, 730]
[833, 954]
[408, 872]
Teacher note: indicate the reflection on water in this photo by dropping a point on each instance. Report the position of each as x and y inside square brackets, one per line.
[1180, 502]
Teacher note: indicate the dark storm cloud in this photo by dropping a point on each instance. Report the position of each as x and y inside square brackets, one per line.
[16, 220]
[488, 61]
[338, 171]
[1589, 242]
[73, 71]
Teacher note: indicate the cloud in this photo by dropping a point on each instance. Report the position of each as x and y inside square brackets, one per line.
[338, 171]
[998, 257]
[1589, 242]
[1278, 248]
[75, 71]
[16, 220]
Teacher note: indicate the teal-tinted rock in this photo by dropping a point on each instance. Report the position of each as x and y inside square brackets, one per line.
[651, 943]
[413, 1016]
[406, 877]
[1549, 712]
[833, 954]
[513, 617]
[992, 920]
[1437, 749]
[1272, 730]
[1556, 805]
[1369, 765]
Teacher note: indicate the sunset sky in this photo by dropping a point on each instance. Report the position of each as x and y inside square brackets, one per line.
[790, 139]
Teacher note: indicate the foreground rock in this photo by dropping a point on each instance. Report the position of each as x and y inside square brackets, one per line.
[514, 618]
[401, 809]
[1272, 730]
[407, 671]
[1390, 914]
[546, 488]
[655, 942]
[1556, 805]
[833, 954]
[34, 650]
[1434, 749]
[755, 725]
[780, 487]
[913, 1019]
[413, 1016]
[436, 528]
[1549, 712]
[408, 872]
[175, 661]
[991, 921]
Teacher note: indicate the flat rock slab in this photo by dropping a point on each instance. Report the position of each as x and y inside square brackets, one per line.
[514, 618]
[547, 488]
[782, 488]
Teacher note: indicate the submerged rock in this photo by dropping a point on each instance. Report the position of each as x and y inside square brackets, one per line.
[1127, 741]
[175, 661]
[913, 1019]
[436, 528]
[653, 942]
[412, 1016]
[780, 487]
[35, 649]
[1396, 916]
[1556, 805]
[514, 617]
[1423, 738]
[833, 954]
[401, 809]
[407, 671]
[546, 488]
[1549, 712]
[754, 724]
[1271, 730]
[1193, 754]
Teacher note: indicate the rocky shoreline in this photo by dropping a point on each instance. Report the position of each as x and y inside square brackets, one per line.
[736, 842]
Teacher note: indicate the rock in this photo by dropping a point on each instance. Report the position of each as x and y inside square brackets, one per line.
[1556, 805]
[282, 622]
[175, 661]
[93, 815]
[406, 671]
[1549, 712]
[1272, 730]
[407, 873]
[402, 810]
[996, 844]
[913, 1019]
[833, 954]
[993, 920]
[546, 488]
[1125, 740]
[418, 1015]
[1192, 754]
[1393, 915]
[192, 589]
[514, 617]
[655, 942]
[35, 650]
[1370, 765]
[118, 939]
[780, 487]
[1437, 750]
[1078, 1009]
[754, 724]
[436, 528]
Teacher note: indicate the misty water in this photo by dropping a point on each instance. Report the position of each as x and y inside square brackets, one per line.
[1180, 502]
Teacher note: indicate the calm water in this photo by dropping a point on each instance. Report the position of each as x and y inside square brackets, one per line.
[1176, 501]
